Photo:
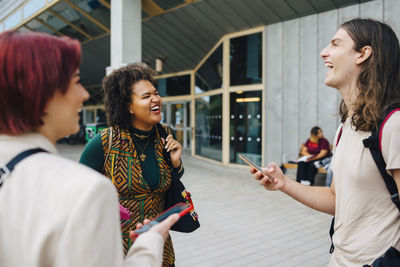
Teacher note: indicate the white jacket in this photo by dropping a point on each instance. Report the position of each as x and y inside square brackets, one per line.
[56, 212]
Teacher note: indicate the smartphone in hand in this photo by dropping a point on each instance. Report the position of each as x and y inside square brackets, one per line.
[255, 166]
[180, 208]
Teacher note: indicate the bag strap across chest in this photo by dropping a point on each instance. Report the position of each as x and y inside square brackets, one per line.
[164, 131]
[374, 143]
[6, 170]
[110, 137]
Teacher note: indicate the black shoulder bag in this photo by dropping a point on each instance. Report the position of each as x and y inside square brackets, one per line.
[177, 193]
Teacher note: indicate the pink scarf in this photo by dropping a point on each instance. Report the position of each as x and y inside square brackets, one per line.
[124, 213]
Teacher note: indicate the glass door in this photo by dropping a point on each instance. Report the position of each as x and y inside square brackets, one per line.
[177, 116]
[245, 126]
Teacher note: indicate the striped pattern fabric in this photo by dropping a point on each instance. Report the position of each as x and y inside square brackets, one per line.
[124, 169]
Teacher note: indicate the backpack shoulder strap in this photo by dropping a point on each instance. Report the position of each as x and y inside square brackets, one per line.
[373, 142]
[164, 131]
[9, 167]
[161, 130]
[389, 114]
[167, 129]
[339, 135]
[332, 228]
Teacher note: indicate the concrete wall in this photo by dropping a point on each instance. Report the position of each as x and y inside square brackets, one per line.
[296, 96]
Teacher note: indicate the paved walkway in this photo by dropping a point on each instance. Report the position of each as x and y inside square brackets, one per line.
[243, 224]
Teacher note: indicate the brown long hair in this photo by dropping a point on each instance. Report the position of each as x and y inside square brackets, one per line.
[379, 80]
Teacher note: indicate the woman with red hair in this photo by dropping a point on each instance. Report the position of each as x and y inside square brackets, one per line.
[53, 211]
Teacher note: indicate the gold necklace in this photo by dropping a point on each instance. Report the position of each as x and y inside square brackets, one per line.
[142, 156]
[141, 136]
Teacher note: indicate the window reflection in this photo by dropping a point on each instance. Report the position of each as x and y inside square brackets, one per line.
[35, 25]
[59, 24]
[173, 86]
[96, 10]
[177, 115]
[168, 4]
[101, 115]
[209, 127]
[246, 59]
[32, 6]
[164, 111]
[75, 17]
[245, 126]
[209, 75]
[12, 21]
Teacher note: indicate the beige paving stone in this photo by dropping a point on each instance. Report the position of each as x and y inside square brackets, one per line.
[242, 224]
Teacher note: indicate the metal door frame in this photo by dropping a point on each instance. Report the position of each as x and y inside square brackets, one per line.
[186, 128]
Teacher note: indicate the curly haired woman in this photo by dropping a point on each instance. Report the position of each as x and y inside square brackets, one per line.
[135, 163]
[53, 211]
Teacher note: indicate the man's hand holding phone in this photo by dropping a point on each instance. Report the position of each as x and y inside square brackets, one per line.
[272, 177]
[272, 170]
[256, 167]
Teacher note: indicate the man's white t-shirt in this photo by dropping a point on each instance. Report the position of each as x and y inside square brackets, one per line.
[367, 222]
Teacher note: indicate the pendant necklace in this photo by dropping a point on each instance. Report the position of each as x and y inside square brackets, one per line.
[142, 156]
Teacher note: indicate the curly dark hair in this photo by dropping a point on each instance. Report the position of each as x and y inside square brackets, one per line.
[117, 88]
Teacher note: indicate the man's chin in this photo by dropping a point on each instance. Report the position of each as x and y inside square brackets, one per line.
[330, 83]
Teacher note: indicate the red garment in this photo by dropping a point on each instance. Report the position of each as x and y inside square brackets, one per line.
[315, 148]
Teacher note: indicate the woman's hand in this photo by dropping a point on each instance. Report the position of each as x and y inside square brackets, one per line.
[273, 171]
[175, 149]
[310, 159]
[162, 228]
[304, 151]
[132, 234]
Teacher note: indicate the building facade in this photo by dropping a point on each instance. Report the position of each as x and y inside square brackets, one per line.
[236, 76]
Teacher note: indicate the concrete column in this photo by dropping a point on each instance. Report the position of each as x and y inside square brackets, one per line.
[126, 33]
[225, 102]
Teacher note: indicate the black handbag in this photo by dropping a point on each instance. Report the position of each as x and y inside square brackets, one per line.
[389, 259]
[177, 193]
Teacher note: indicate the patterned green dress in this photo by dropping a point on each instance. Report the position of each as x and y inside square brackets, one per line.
[124, 168]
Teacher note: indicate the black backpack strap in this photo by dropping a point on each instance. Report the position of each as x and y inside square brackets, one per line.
[163, 133]
[374, 144]
[331, 232]
[9, 167]
[332, 228]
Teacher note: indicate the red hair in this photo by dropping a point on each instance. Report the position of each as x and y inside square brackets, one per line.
[33, 66]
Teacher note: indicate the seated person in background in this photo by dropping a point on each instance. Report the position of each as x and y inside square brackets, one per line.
[314, 149]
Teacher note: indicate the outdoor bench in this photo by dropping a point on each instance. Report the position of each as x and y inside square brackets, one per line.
[294, 167]
[320, 177]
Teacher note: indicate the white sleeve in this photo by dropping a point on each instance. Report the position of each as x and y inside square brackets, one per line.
[390, 142]
[91, 236]
[146, 251]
